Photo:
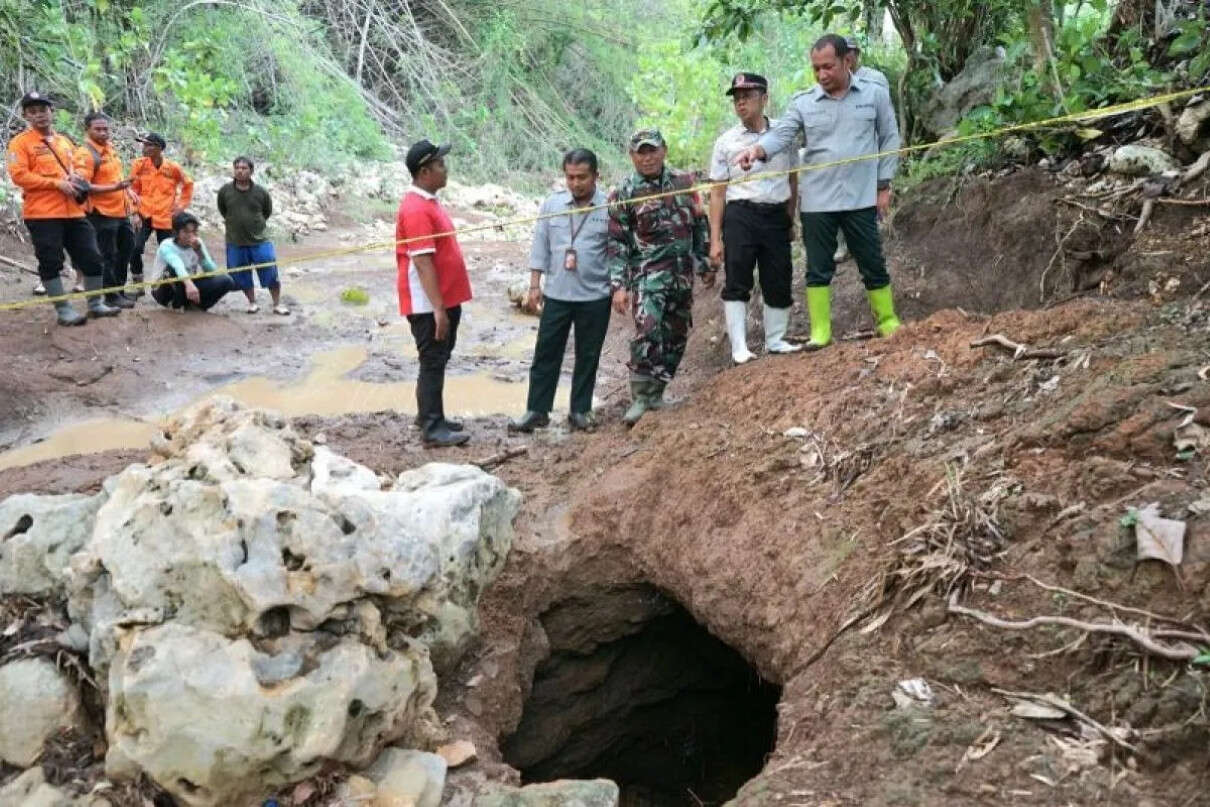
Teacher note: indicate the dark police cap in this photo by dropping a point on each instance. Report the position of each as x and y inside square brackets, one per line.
[35, 98]
[748, 81]
[423, 152]
[153, 139]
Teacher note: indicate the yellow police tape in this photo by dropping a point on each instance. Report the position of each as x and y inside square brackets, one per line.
[1092, 114]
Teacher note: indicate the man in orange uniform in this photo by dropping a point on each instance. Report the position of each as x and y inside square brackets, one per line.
[39, 162]
[163, 190]
[108, 204]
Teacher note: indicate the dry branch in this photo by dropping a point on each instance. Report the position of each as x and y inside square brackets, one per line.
[1186, 202]
[17, 265]
[1057, 253]
[501, 458]
[1019, 350]
[1063, 705]
[1140, 636]
[1145, 216]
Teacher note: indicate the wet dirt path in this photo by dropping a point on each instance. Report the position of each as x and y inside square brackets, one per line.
[106, 386]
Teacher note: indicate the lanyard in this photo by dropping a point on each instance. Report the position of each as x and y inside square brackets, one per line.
[575, 229]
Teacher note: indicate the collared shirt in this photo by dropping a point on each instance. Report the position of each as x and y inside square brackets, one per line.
[860, 122]
[421, 219]
[772, 190]
[658, 243]
[102, 168]
[157, 189]
[869, 74]
[34, 169]
[552, 238]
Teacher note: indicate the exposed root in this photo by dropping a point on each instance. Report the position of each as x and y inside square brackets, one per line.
[1140, 636]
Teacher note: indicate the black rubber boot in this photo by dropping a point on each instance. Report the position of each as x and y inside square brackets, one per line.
[437, 435]
[529, 421]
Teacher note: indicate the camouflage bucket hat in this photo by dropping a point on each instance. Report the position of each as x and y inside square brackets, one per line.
[647, 137]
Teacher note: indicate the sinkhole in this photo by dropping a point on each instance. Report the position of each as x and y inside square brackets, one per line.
[636, 691]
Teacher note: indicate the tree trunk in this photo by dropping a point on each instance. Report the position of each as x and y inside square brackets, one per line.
[872, 14]
[1041, 18]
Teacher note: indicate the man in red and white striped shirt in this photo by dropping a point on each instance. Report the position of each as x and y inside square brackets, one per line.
[433, 285]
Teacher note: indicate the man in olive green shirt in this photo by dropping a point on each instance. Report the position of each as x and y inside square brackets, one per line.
[246, 208]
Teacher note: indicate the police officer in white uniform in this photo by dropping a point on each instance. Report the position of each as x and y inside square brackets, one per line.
[751, 223]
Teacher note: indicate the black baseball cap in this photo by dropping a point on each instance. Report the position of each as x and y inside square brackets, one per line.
[34, 98]
[423, 152]
[748, 81]
[154, 139]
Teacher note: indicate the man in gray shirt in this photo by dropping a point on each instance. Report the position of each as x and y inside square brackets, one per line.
[841, 118]
[569, 248]
[862, 71]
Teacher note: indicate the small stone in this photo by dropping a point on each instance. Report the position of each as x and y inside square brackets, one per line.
[405, 778]
[457, 753]
[30, 789]
[795, 433]
[1137, 160]
[320, 439]
[357, 790]
[36, 700]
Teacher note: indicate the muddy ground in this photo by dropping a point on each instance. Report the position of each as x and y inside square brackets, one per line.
[774, 501]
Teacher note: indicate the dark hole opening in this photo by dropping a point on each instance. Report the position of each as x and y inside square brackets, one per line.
[636, 691]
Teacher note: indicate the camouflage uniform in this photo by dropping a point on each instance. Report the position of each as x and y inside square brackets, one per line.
[652, 251]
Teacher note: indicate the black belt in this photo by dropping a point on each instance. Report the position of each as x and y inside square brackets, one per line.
[759, 205]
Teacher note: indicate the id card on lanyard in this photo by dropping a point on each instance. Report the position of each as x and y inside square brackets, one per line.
[570, 262]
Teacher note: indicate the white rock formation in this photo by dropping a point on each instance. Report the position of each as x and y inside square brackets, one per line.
[36, 701]
[217, 721]
[38, 535]
[258, 608]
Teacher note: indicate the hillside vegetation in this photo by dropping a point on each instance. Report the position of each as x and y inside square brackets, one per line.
[317, 82]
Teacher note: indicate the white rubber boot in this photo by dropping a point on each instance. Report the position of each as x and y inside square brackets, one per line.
[776, 322]
[737, 326]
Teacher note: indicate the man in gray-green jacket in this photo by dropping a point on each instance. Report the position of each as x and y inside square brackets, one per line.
[842, 118]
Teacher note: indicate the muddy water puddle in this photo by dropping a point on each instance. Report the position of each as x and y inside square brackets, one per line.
[325, 391]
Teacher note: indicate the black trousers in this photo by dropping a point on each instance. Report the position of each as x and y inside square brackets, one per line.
[115, 240]
[434, 355]
[140, 245]
[757, 235]
[52, 236]
[591, 321]
[860, 228]
[209, 289]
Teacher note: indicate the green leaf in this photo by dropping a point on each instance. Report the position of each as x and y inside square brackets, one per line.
[1204, 658]
[1130, 519]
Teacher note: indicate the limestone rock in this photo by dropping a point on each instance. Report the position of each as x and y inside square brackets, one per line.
[1193, 126]
[38, 535]
[1138, 160]
[30, 789]
[36, 701]
[457, 753]
[199, 538]
[332, 473]
[215, 721]
[983, 74]
[563, 793]
[404, 778]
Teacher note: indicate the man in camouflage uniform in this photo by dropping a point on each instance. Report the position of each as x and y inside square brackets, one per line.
[653, 249]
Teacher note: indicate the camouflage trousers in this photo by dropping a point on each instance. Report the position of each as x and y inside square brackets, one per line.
[662, 318]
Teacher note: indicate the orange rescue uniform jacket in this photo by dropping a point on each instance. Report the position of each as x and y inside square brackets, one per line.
[157, 190]
[34, 169]
[103, 171]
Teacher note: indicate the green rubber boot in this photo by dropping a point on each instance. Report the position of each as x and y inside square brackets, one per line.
[639, 400]
[655, 394]
[819, 309]
[883, 307]
[67, 314]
